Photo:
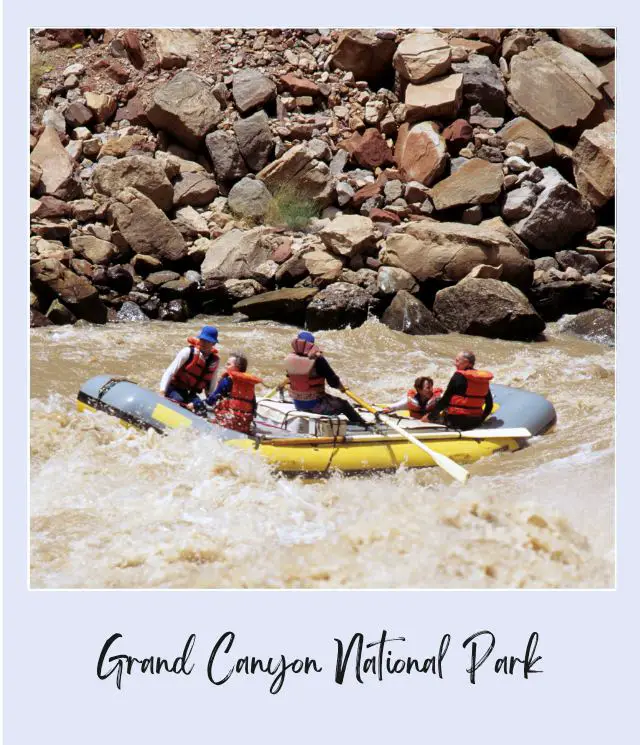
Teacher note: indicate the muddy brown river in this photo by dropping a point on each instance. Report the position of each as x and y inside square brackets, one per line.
[115, 507]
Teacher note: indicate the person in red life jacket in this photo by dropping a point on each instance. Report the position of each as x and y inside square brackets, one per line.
[234, 399]
[307, 371]
[467, 401]
[193, 371]
[419, 400]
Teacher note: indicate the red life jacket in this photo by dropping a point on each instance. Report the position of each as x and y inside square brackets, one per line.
[304, 383]
[199, 370]
[472, 403]
[236, 410]
[415, 411]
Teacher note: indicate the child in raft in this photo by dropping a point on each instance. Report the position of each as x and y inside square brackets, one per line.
[419, 400]
[234, 399]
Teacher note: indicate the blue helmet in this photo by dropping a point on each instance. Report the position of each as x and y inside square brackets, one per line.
[209, 333]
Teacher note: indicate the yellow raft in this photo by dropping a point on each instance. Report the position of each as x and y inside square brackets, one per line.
[301, 443]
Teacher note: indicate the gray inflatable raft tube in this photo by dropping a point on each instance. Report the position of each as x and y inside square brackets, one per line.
[145, 409]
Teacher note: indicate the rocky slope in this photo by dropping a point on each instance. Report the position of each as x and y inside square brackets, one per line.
[444, 180]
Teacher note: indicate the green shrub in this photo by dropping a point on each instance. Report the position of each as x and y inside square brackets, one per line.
[290, 208]
[37, 68]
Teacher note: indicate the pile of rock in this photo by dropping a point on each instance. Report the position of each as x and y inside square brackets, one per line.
[444, 180]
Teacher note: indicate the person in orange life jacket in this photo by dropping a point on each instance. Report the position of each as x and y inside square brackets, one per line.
[307, 370]
[234, 399]
[193, 371]
[467, 401]
[419, 401]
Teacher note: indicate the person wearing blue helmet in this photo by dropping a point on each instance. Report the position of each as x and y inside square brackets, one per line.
[307, 372]
[193, 371]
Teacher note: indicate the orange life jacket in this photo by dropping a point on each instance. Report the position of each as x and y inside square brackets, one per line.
[415, 411]
[472, 403]
[304, 383]
[236, 410]
[199, 370]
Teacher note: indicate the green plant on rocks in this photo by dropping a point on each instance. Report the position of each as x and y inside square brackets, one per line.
[37, 68]
[289, 208]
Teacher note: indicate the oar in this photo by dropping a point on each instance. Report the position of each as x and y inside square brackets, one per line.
[448, 465]
[273, 391]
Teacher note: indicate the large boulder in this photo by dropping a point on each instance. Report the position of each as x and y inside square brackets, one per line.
[186, 108]
[298, 172]
[145, 227]
[594, 165]
[421, 56]
[525, 132]
[519, 202]
[597, 324]
[338, 306]
[144, 174]
[228, 163]
[407, 314]
[249, 198]
[392, 279]
[594, 42]
[421, 152]
[197, 189]
[236, 254]
[449, 251]
[482, 84]
[255, 140]
[361, 52]
[487, 307]
[554, 85]
[176, 46]
[321, 265]
[560, 213]
[287, 305]
[441, 97]
[348, 235]
[476, 182]
[558, 297]
[55, 163]
[251, 90]
[50, 277]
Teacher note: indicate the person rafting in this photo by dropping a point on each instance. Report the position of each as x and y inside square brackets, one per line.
[193, 371]
[234, 399]
[467, 401]
[419, 400]
[307, 372]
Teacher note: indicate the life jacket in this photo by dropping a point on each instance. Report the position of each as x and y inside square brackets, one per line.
[199, 370]
[236, 410]
[416, 411]
[472, 403]
[304, 383]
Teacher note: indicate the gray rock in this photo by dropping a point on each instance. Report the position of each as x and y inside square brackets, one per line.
[392, 279]
[560, 213]
[251, 89]
[338, 306]
[185, 107]
[174, 310]
[487, 307]
[228, 163]
[286, 305]
[255, 140]
[196, 189]
[407, 314]
[597, 325]
[519, 203]
[482, 84]
[250, 198]
[130, 313]
[583, 263]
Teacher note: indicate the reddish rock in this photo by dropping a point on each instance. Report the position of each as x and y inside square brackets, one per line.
[133, 111]
[118, 72]
[52, 207]
[78, 115]
[299, 86]
[282, 252]
[378, 215]
[369, 191]
[370, 150]
[420, 152]
[67, 37]
[457, 135]
[131, 43]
